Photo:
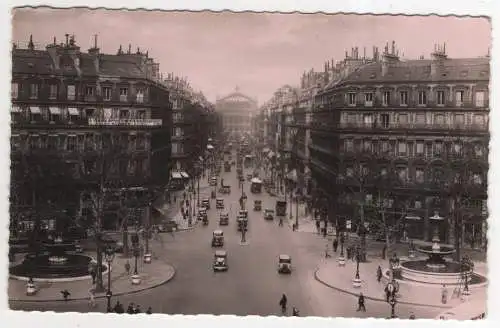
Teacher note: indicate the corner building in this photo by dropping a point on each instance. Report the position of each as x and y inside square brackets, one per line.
[70, 111]
[407, 138]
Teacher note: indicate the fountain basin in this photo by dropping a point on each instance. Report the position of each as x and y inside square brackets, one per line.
[44, 268]
[420, 271]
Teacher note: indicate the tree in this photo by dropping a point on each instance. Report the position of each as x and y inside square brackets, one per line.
[41, 185]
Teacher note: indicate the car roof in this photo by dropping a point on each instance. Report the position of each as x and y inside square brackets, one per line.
[218, 231]
[269, 209]
[284, 257]
[220, 199]
[220, 253]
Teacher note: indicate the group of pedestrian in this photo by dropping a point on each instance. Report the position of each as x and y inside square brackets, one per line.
[131, 309]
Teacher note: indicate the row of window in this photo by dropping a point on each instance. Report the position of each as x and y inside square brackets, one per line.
[177, 148]
[388, 120]
[410, 148]
[131, 167]
[418, 175]
[82, 142]
[423, 98]
[54, 113]
[107, 92]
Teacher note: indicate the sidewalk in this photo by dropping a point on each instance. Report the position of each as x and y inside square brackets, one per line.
[332, 275]
[157, 273]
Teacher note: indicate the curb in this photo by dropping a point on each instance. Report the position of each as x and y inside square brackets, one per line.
[375, 298]
[174, 271]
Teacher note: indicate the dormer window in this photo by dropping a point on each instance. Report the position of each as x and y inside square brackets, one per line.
[459, 98]
[34, 91]
[71, 92]
[403, 98]
[351, 99]
[369, 99]
[440, 98]
[386, 98]
[140, 96]
[123, 94]
[53, 91]
[422, 98]
[14, 91]
[89, 91]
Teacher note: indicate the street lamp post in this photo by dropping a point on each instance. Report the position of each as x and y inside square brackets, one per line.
[341, 258]
[391, 289]
[110, 255]
[136, 279]
[356, 283]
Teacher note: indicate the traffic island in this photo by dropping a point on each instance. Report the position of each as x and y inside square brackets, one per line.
[152, 275]
[341, 278]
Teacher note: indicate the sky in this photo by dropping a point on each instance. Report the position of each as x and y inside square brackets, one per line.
[256, 52]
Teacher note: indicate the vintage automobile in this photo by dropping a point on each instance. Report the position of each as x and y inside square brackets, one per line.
[269, 214]
[242, 223]
[225, 189]
[219, 204]
[206, 203]
[224, 219]
[213, 181]
[284, 264]
[220, 261]
[243, 213]
[257, 205]
[218, 238]
[256, 186]
[202, 213]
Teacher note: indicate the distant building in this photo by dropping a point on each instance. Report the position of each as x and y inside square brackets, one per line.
[236, 110]
[92, 116]
[194, 123]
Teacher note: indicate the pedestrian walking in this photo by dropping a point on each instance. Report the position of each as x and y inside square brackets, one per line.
[130, 308]
[118, 308]
[65, 294]
[361, 303]
[379, 273]
[317, 226]
[335, 245]
[444, 295]
[149, 310]
[137, 309]
[93, 274]
[348, 251]
[327, 253]
[92, 303]
[127, 267]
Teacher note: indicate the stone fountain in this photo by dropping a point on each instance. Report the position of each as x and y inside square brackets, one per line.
[436, 269]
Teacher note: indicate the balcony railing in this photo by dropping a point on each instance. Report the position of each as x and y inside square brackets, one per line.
[124, 122]
[411, 126]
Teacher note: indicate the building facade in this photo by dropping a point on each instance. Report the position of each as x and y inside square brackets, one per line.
[194, 122]
[85, 122]
[236, 110]
[406, 143]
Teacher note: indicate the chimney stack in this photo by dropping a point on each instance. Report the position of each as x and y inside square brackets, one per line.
[388, 59]
[438, 58]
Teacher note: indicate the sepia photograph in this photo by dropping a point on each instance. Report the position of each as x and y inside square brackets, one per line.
[245, 163]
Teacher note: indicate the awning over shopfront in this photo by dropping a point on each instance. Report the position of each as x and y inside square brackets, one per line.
[176, 175]
[200, 159]
[413, 218]
[15, 109]
[73, 111]
[292, 175]
[210, 147]
[184, 175]
[270, 155]
[35, 110]
[55, 110]
[266, 150]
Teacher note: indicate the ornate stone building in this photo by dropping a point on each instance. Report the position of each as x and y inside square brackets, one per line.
[236, 110]
[406, 139]
[81, 122]
[193, 123]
